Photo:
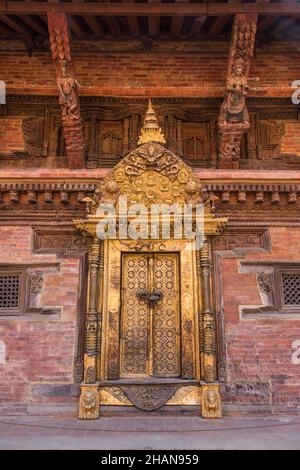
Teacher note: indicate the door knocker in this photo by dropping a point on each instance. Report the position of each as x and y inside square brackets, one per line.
[149, 297]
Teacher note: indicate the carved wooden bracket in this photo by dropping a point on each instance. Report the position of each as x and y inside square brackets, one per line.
[234, 117]
[68, 88]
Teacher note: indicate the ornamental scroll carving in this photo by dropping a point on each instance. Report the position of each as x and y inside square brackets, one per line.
[36, 283]
[149, 397]
[150, 174]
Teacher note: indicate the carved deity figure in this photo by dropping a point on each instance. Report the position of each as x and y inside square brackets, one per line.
[234, 109]
[67, 93]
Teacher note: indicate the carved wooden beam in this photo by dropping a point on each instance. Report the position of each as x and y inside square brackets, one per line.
[149, 9]
[234, 118]
[68, 88]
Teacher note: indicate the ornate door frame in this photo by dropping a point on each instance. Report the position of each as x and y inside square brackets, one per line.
[149, 175]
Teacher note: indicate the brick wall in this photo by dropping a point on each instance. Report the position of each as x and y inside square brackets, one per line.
[261, 374]
[11, 135]
[123, 69]
[37, 371]
[290, 143]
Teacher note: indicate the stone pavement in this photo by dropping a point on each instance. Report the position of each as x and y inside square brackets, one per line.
[150, 432]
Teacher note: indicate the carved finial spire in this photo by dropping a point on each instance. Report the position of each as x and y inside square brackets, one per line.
[151, 132]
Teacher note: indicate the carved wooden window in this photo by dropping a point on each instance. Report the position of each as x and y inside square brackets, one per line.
[196, 143]
[110, 145]
[194, 147]
[279, 286]
[289, 289]
[11, 292]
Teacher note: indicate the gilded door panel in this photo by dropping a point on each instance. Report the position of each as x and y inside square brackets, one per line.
[150, 342]
[134, 316]
[165, 339]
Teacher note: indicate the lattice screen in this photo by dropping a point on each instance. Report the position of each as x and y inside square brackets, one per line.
[110, 145]
[194, 148]
[9, 292]
[291, 288]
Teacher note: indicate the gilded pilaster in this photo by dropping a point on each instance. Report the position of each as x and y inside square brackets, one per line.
[89, 395]
[208, 314]
[92, 320]
[210, 394]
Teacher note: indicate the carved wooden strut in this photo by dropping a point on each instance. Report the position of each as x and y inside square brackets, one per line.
[234, 117]
[68, 88]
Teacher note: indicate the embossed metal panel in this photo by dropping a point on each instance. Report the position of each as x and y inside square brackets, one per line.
[165, 317]
[135, 317]
[150, 342]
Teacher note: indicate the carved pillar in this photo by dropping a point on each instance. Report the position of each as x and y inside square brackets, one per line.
[134, 130]
[68, 88]
[234, 118]
[99, 329]
[208, 314]
[125, 149]
[92, 142]
[210, 395]
[89, 398]
[212, 129]
[251, 138]
[170, 132]
[179, 136]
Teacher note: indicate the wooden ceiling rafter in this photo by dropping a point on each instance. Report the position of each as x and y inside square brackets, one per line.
[92, 23]
[153, 22]
[76, 27]
[5, 29]
[112, 23]
[133, 22]
[220, 22]
[283, 25]
[118, 18]
[177, 23]
[16, 24]
[197, 25]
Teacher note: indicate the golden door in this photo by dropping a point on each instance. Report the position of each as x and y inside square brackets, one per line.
[150, 316]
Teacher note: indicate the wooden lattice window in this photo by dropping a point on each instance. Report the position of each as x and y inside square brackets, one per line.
[291, 288]
[279, 286]
[11, 293]
[110, 145]
[194, 148]
[287, 289]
